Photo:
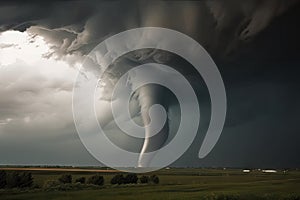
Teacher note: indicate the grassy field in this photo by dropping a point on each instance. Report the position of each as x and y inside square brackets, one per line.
[174, 184]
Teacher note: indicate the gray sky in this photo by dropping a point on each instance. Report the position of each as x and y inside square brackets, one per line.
[254, 44]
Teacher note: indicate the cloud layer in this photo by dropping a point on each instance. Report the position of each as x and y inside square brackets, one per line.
[216, 24]
[36, 123]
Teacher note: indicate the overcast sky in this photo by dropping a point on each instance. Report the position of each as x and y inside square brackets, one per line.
[255, 45]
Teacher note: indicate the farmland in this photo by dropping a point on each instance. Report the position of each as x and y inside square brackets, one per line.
[188, 183]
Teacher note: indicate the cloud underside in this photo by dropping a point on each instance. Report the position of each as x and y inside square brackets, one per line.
[219, 26]
[36, 122]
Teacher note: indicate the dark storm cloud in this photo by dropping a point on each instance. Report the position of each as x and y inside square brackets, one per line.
[262, 85]
[255, 44]
[218, 25]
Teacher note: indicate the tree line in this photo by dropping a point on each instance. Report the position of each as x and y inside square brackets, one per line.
[17, 179]
[118, 179]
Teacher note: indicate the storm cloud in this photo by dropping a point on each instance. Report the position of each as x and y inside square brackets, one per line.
[218, 25]
[254, 44]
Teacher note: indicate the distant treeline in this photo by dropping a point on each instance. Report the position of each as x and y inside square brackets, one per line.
[66, 182]
[117, 179]
[16, 179]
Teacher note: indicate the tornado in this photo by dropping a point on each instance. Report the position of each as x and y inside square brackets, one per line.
[148, 96]
[140, 104]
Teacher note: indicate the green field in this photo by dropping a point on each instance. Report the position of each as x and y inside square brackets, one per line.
[174, 184]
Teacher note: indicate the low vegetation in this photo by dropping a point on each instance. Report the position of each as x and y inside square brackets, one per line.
[65, 178]
[80, 180]
[96, 180]
[65, 181]
[15, 179]
[117, 179]
[205, 184]
[121, 179]
[154, 179]
[144, 179]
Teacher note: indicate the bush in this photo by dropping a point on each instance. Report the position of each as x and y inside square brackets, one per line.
[2, 179]
[118, 179]
[12, 180]
[26, 180]
[154, 179]
[50, 184]
[144, 179]
[96, 180]
[130, 178]
[65, 178]
[57, 186]
[80, 180]
[20, 180]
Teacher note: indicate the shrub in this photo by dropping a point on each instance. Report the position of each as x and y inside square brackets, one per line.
[51, 184]
[144, 179]
[57, 186]
[19, 180]
[96, 180]
[26, 180]
[12, 180]
[65, 178]
[2, 179]
[130, 178]
[154, 179]
[118, 179]
[80, 180]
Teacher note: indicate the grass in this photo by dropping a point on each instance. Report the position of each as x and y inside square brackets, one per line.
[176, 184]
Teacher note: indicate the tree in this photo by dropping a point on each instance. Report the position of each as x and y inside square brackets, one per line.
[20, 180]
[96, 180]
[118, 179]
[12, 179]
[2, 179]
[130, 178]
[25, 180]
[144, 179]
[65, 178]
[80, 180]
[154, 179]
